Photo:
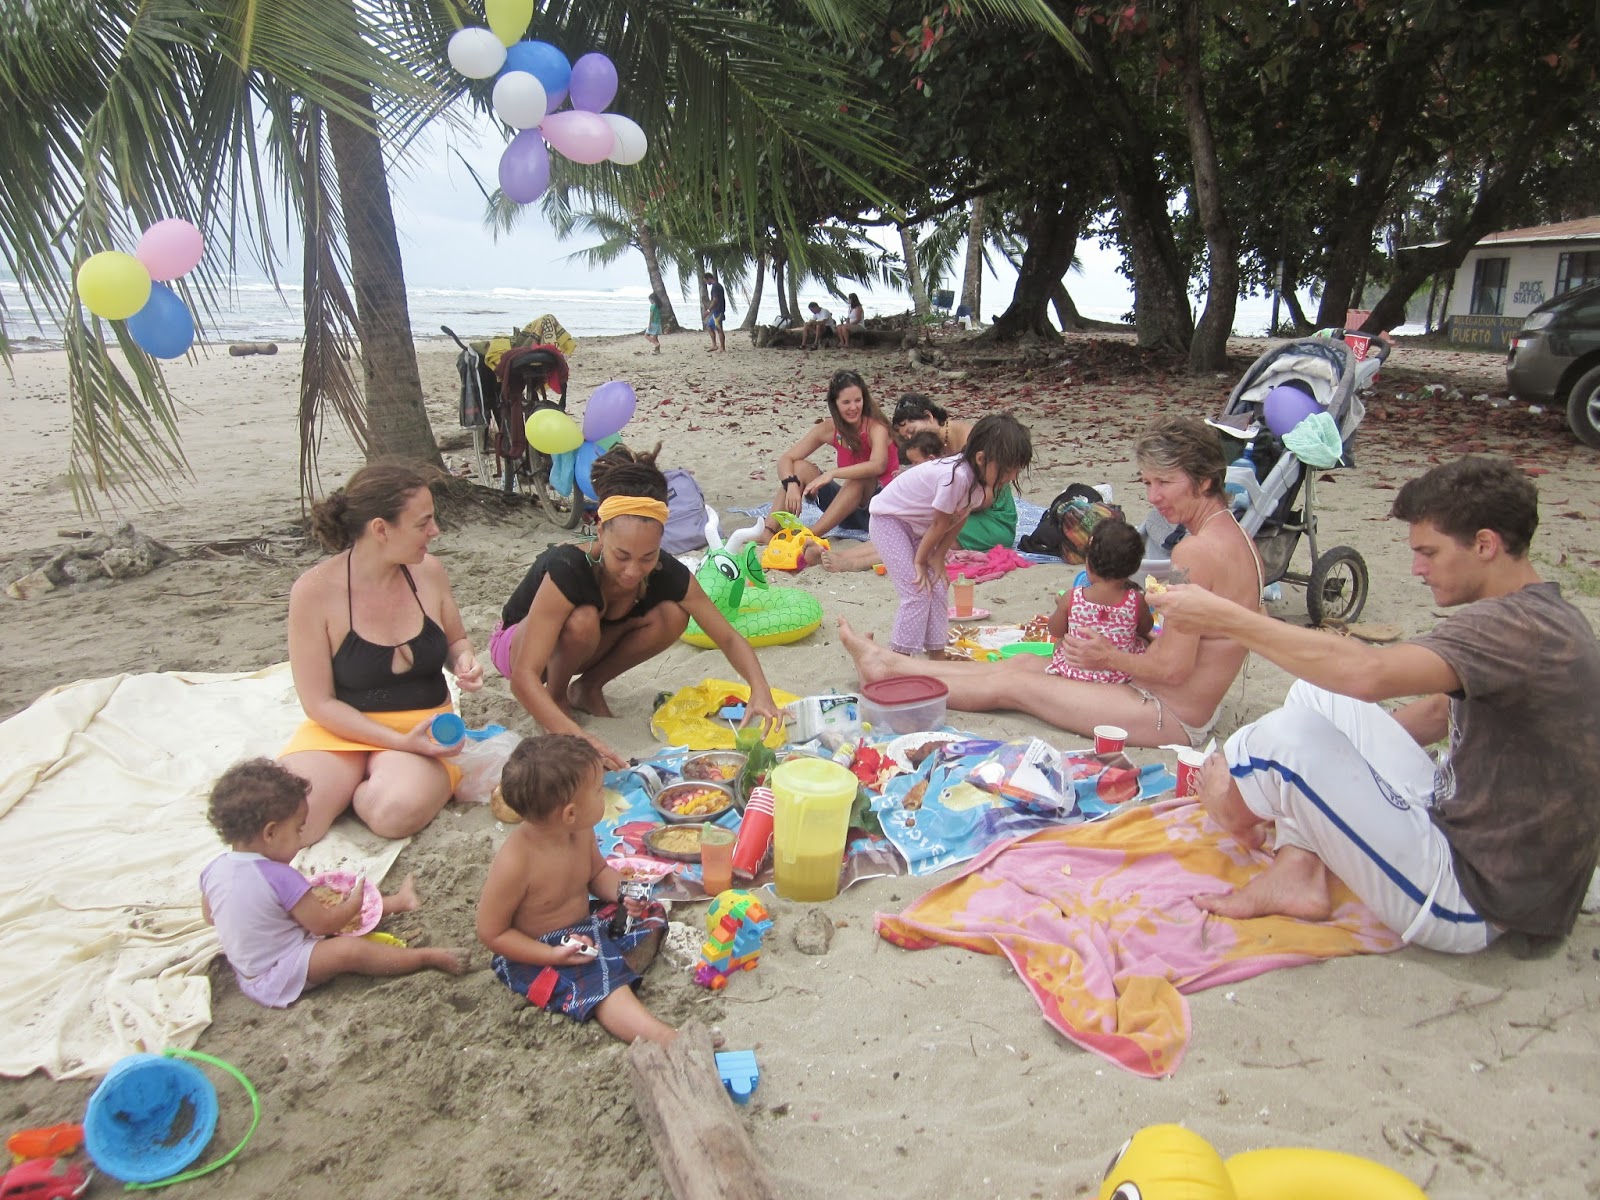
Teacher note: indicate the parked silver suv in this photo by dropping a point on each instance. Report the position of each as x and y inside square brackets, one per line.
[1555, 357]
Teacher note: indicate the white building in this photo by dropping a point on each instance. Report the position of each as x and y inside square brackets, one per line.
[1507, 275]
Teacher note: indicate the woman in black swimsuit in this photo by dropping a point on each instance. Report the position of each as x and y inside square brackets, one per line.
[370, 680]
[585, 614]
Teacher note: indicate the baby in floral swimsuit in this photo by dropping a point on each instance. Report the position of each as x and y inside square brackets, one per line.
[1110, 604]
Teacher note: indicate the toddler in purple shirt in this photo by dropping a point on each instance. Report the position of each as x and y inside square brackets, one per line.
[275, 933]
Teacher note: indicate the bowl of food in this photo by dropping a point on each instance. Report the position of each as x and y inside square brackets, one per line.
[693, 800]
[716, 766]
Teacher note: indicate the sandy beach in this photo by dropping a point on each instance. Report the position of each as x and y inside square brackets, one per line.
[884, 1072]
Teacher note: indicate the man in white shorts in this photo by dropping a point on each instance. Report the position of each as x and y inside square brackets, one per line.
[1504, 831]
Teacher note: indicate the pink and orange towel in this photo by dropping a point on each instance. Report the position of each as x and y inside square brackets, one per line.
[1100, 922]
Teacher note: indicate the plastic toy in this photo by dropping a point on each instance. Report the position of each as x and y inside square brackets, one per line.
[736, 922]
[732, 576]
[584, 947]
[786, 550]
[1169, 1162]
[47, 1141]
[41, 1179]
[739, 1073]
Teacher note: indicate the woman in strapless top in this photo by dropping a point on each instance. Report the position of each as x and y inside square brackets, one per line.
[372, 631]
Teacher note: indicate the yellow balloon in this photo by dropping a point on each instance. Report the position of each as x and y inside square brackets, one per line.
[551, 431]
[113, 285]
[509, 19]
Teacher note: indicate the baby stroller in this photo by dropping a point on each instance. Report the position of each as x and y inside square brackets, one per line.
[495, 405]
[1283, 507]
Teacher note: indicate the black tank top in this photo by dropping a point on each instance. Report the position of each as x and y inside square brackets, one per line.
[364, 675]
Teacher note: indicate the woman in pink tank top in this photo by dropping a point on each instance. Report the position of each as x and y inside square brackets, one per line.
[859, 433]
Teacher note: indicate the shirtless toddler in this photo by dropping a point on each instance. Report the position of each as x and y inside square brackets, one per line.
[549, 901]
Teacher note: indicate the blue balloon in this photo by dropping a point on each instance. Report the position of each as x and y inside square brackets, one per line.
[587, 453]
[546, 64]
[163, 328]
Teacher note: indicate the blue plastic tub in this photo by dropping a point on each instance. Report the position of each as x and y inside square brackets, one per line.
[150, 1118]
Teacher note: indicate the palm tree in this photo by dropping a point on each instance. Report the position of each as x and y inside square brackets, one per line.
[127, 111]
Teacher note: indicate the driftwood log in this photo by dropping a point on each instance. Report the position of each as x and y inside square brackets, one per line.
[766, 337]
[699, 1139]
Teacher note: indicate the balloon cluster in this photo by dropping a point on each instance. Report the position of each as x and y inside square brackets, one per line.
[133, 287]
[534, 80]
[551, 431]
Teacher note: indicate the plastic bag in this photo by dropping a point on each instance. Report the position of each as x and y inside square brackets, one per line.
[481, 760]
[687, 718]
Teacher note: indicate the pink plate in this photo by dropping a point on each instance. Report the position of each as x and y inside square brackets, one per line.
[371, 899]
[642, 868]
[977, 614]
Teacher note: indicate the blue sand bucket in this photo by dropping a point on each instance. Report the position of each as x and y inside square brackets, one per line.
[153, 1115]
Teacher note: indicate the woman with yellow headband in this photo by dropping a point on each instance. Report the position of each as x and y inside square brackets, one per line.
[584, 614]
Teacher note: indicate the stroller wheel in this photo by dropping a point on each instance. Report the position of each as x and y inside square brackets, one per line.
[1337, 589]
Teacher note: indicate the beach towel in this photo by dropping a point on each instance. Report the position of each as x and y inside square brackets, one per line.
[1100, 924]
[103, 835]
[950, 820]
[629, 816]
[980, 566]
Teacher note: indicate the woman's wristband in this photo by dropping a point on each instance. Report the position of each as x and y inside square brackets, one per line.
[788, 479]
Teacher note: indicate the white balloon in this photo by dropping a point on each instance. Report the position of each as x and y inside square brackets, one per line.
[520, 100]
[631, 140]
[475, 52]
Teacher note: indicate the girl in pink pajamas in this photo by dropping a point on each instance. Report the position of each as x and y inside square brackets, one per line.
[918, 515]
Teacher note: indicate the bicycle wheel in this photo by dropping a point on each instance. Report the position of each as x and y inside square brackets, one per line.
[563, 511]
[483, 455]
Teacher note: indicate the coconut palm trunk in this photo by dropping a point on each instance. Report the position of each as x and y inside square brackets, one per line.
[646, 240]
[397, 420]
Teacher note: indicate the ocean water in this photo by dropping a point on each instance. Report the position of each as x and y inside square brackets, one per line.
[258, 311]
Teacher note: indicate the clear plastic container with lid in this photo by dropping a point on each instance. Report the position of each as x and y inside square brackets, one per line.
[908, 704]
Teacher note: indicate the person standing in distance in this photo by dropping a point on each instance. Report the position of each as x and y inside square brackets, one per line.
[716, 314]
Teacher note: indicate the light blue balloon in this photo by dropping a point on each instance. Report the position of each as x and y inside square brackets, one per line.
[163, 328]
[584, 467]
[546, 64]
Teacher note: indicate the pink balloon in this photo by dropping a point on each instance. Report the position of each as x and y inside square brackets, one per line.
[170, 248]
[525, 168]
[584, 137]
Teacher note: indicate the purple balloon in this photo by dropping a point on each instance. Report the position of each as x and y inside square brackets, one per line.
[609, 409]
[594, 83]
[525, 167]
[1286, 406]
[584, 137]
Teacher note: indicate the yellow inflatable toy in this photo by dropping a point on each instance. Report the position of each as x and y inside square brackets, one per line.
[1169, 1162]
[788, 546]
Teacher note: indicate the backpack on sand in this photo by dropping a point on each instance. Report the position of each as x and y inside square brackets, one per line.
[686, 513]
[1046, 537]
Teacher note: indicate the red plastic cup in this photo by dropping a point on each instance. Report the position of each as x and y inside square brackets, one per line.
[755, 833]
[1109, 739]
[1189, 763]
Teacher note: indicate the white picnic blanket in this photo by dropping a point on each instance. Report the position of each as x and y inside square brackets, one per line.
[103, 787]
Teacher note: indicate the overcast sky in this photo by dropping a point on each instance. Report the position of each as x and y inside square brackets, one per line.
[439, 212]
